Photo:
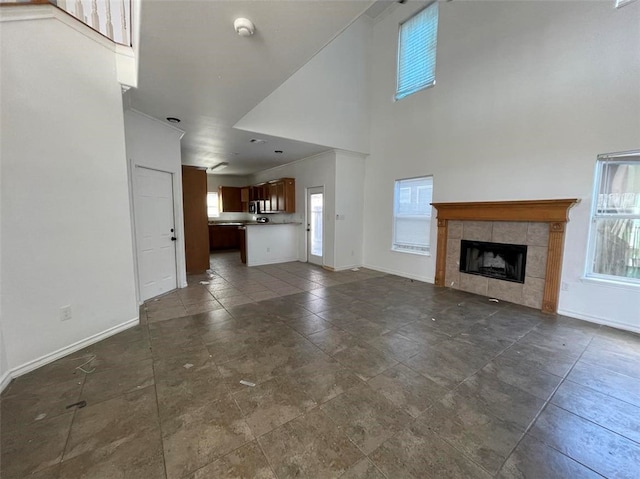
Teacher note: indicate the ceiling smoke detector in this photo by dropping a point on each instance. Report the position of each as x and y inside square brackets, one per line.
[244, 27]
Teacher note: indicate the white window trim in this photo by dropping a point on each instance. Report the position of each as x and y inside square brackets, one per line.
[589, 276]
[393, 219]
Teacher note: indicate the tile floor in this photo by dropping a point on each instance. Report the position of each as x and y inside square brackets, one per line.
[357, 375]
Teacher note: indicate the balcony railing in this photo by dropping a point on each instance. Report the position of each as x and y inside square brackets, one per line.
[110, 18]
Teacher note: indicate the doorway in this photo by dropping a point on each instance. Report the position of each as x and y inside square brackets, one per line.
[155, 232]
[315, 209]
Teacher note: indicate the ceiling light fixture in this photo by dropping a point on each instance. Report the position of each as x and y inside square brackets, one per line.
[172, 119]
[219, 166]
[257, 140]
[244, 27]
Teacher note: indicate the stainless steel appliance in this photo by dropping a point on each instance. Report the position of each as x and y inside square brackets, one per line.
[254, 207]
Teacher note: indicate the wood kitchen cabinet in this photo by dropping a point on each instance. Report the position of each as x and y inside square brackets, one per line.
[194, 200]
[289, 195]
[223, 237]
[229, 199]
[282, 195]
[276, 196]
[244, 199]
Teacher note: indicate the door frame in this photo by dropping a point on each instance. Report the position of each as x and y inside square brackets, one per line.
[176, 176]
[309, 191]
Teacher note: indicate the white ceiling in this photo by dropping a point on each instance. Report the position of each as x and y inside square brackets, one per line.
[195, 67]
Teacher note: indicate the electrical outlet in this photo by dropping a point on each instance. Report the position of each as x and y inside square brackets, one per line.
[564, 286]
[65, 313]
[268, 250]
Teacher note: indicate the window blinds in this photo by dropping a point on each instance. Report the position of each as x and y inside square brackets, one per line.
[417, 52]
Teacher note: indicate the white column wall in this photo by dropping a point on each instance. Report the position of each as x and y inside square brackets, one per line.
[66, 232]
[154, 144]
[350, 171]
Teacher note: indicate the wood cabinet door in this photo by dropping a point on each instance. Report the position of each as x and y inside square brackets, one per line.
[229, 199]
[194, 201]
[289, 185]
[273, 196]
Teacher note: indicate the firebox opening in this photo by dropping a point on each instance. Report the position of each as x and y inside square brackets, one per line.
[494, 260]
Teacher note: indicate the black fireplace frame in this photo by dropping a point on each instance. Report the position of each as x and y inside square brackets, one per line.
[511, 253]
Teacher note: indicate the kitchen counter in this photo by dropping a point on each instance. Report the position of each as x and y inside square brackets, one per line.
[250, 223]
[278, 244]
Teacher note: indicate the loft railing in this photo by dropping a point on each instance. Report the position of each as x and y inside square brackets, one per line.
[111, 18]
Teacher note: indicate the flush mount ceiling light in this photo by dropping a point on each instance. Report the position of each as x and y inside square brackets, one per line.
[172, 119]
[219, 166]
[257, 140]
[244, 27]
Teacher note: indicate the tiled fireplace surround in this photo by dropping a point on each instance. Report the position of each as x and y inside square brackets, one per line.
[535, 235]
[539, 224]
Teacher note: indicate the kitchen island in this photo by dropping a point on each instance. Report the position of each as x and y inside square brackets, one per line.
[270, 243]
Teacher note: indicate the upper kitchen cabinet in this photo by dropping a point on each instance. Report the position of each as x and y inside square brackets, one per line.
[289, 195]
[244, 198]
[230, 199]
[282, 196]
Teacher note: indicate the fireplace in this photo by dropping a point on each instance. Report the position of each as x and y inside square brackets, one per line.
[502, 261]
[539, 224]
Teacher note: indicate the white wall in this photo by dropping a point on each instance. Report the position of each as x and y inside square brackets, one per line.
[318, 170]
[326, 101]
[66, 234]
[4, 365]
[272, 243]
[350, 171]
[527, 95]
[154, 144]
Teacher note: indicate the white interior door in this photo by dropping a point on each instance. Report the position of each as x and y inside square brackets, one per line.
[315, 219]
[155, 232]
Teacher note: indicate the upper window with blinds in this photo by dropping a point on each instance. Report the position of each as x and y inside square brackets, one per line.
[417, 52]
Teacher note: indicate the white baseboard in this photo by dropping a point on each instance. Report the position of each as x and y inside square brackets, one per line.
[598, 320]
[72, 348]
[273, 261]
[5, 380]
[424, 279]
[347, 268]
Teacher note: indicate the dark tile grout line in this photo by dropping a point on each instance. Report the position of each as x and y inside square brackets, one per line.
[544, 407]
[73, 420]
[155, 391]
[452, 390]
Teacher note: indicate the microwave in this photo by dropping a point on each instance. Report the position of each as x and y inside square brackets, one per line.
[254, 207]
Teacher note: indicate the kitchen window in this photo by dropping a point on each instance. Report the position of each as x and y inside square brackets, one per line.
[212, 205]
[614, 246]
[417, 43]
[412, 215]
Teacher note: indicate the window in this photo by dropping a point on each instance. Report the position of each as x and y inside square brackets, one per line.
[212, 205]
[417, 52]
[614, 251]
[412, 215]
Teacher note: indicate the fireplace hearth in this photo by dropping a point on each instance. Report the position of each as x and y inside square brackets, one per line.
[493, 260]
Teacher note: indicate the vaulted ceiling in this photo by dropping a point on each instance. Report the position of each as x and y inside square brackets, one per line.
[194, 66]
